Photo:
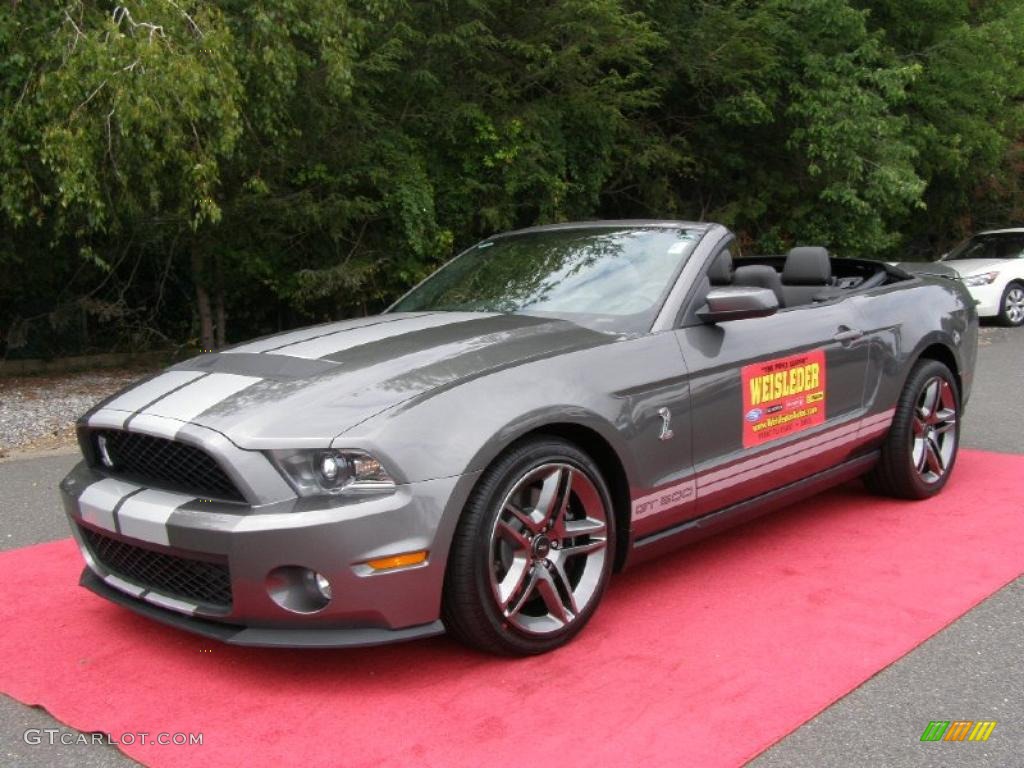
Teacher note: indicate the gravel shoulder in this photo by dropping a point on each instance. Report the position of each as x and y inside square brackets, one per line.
[37, 413]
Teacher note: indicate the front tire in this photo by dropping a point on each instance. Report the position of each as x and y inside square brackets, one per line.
[1011, 307]
[920, 450]
[533, 551]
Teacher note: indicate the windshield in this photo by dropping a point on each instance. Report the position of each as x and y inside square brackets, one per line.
[610, 278]
[1003, 245]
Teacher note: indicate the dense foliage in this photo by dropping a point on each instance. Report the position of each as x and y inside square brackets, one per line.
[178, 171]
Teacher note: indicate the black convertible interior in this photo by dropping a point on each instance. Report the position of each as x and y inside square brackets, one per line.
[806, 275]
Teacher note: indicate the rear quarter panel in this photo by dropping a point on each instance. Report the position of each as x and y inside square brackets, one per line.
[905, 319]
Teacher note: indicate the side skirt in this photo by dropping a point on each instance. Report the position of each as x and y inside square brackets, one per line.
[656, 544]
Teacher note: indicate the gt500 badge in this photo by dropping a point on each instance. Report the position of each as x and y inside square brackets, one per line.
[663, 500]
[783, 396]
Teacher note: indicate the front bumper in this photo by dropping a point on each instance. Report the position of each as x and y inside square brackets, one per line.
[334, 537]
[987, 298]
[234, 634]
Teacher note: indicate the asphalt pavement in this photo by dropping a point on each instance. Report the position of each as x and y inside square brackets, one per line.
[974, 669]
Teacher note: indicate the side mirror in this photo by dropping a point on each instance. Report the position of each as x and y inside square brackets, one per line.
[737, 302]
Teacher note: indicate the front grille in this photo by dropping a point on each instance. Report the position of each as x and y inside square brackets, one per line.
[161, 462]
[197, 581]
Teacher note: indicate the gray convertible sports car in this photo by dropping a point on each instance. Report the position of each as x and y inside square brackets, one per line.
[552, 405]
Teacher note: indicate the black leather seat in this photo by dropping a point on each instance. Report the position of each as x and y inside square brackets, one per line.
[760, 276]
[806, 275]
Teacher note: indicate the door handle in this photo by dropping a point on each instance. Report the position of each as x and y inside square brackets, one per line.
[845, 334]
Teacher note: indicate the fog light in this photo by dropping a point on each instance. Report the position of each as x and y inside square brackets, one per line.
[323, 586]
[298, 589]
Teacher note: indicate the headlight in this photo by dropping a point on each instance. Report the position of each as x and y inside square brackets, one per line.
[986, 278]
[331, 471]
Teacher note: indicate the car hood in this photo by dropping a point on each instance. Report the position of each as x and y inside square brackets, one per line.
[931, 268]
[964, 267]
[303, 388]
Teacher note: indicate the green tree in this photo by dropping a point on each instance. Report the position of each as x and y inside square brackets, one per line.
[121, 123]
[965, 110]
[170, 168]
[790, 111]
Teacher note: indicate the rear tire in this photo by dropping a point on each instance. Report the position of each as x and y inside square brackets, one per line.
[920, 451]
[533, 551]
[1011, 305]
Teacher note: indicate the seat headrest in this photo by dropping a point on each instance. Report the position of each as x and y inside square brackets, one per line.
[720, 271]
[760, 276]
[757, 276]
[807, 265]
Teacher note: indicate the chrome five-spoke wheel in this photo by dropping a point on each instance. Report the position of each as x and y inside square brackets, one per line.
[934, 422]
[533, 550]
[918, 453]
[548, 548]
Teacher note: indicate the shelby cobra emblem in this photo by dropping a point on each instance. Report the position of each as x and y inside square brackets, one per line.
[551, 406]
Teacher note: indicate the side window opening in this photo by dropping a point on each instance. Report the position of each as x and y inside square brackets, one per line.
[803, 278]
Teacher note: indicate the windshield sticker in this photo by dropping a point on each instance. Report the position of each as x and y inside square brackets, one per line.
[782, 397]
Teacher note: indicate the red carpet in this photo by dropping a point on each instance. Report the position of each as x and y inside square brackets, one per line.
[703, 658]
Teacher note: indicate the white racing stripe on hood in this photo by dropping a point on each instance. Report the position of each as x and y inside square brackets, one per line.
[191, 400]
[147, 392]
[144, 516]
[108, 418]
[310, 333]
[156, 426]
[339, 342]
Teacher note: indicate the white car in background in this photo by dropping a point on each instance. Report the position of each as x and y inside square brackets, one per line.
[991, 266]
